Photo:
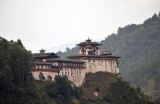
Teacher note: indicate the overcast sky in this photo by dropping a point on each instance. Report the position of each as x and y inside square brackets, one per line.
[51, 23]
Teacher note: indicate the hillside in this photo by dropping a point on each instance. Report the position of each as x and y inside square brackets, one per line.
[108, 88]
[139, 47]
[97, 83]
[19, 87]
[149, 76]
[68, 52]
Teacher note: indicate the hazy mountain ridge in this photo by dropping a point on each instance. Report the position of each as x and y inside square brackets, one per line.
[138, 45]
[62, 48]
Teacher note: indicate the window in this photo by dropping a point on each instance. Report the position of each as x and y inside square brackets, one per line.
[89, 60]
[90, 53]
[71, 74]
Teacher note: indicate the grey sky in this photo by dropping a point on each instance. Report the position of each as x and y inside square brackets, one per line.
[48, 23]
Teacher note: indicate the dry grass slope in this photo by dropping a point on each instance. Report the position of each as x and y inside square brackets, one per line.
[97, 83]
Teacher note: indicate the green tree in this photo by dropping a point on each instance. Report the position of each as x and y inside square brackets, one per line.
[15, 68]
[49, 77]
[41, 76]
[121, 92]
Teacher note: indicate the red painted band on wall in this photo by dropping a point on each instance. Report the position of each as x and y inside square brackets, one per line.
[46, 70]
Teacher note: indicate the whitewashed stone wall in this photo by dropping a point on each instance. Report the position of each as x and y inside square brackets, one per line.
[104, 66]
[77, 76]
[37, 73]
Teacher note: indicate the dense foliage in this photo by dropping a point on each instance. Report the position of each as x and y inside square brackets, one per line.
[122, 93]
[139, 47]
[15, 68]
[63, 91]
[150, 78]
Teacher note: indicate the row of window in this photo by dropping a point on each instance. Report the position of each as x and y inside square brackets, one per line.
[70, 64]
[42, 67]
[67, 74]
[83, 48]
[94, 60]
[76, 71]
[73, 69]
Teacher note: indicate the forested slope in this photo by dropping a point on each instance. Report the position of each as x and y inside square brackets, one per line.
[17, 85]
[139, 47]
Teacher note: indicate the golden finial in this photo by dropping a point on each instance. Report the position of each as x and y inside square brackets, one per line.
[88, 40]
[42, 50]
[105, 51]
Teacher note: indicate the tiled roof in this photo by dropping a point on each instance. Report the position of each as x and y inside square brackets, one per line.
[89, 43]
[42, 63]
[94, 56]
[38, 55]
[64, 60]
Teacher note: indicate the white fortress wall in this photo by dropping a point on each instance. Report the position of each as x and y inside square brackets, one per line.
[76, 75]
[95, 65]
[45, 74]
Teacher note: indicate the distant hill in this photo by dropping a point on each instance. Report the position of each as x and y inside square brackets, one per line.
[63, 47]
[139, 47]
